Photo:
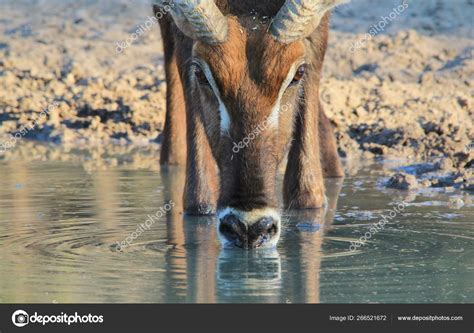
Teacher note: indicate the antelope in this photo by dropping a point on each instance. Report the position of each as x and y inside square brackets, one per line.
[231, 66]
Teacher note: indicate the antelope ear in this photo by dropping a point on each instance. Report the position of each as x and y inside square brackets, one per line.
[297, 19]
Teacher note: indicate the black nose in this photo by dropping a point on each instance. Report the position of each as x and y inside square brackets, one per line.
[244, 236]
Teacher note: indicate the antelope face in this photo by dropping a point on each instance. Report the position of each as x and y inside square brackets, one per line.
[248, 77]
[248, 87]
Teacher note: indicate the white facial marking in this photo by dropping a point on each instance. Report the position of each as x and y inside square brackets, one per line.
[225, 119]
[274, 117]
[224, 114]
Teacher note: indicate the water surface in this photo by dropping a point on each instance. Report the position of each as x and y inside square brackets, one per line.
[60, 223]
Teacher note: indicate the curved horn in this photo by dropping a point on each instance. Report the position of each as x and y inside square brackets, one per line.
[297, 19]
[199, 19]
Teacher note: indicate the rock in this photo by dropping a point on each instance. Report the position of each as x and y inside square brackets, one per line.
[402, 181]
[456, 203]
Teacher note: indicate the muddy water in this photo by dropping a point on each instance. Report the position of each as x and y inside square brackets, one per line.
[59, 228]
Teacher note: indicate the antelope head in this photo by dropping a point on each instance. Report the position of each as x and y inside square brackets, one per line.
[248, 77]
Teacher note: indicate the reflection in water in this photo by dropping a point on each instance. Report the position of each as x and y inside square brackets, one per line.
[242, 276]
[59, 224]
[255, 275]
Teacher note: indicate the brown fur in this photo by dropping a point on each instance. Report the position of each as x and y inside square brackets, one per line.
[249, 69]
[173, 149]
[249, 82]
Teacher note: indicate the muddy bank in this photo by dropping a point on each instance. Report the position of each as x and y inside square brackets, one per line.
[405, 92]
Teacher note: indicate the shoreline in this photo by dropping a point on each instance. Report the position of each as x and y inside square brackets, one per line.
[408, 93]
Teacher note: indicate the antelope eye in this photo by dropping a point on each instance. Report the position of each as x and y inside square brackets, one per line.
[200, 75]
[298, 75]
